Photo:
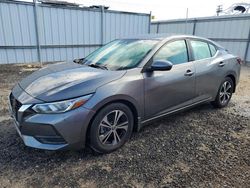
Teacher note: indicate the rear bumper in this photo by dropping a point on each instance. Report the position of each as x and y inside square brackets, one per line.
[53, 131]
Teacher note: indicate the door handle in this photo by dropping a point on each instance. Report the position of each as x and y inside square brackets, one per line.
[221, 64]
[188, 73]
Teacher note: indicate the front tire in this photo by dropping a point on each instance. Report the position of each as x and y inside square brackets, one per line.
[111, 128]
[224, 94]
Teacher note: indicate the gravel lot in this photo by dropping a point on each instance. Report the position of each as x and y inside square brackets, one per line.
[202, 147]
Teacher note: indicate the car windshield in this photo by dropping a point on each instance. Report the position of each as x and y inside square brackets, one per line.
[120, 54]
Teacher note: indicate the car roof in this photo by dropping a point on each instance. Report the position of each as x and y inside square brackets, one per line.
[165, 36]
[150, 36]
[160, 36]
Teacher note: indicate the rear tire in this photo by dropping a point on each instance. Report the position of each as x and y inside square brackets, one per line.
[224, 93]
[111, 128]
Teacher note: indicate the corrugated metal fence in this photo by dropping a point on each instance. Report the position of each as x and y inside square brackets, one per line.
[31, 32]
[60, 32]
[232, 32]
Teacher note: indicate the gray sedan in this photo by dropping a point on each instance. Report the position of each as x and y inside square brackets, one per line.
[101, 99]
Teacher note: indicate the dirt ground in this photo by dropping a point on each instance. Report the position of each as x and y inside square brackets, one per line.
[202, 147]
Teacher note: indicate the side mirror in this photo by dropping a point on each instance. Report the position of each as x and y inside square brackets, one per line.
[160, 65]
[78, 60]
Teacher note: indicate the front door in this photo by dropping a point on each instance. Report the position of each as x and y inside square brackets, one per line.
[165, 90]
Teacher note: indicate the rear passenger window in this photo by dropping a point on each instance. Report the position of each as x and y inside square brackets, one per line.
[212, 49]
[175, 52]
[200, 49]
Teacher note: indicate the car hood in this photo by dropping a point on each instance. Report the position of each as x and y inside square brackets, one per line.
[66, 80]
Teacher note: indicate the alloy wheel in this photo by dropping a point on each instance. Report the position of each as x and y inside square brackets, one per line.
[225, 92]
[113, 127]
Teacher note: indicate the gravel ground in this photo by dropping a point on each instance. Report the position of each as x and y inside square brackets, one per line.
[202, 147]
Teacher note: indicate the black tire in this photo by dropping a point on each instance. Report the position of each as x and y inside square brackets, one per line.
[219, 102]
[103, 124]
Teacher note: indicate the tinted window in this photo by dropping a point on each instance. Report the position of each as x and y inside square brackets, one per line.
[212, 49]
[200, 49]
[175, 52]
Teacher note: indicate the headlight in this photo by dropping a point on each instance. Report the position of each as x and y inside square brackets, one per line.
[61, 106]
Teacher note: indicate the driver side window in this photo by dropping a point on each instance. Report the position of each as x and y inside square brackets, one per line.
[175, 52]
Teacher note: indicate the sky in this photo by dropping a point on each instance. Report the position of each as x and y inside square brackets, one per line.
[165, 9]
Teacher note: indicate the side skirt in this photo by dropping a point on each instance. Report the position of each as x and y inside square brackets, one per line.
[147, 121]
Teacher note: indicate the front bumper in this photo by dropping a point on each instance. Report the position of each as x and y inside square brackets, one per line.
[51, 131]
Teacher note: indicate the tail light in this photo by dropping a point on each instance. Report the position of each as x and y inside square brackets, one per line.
[239, 60]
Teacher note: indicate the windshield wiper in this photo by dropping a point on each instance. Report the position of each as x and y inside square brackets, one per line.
[98, 66]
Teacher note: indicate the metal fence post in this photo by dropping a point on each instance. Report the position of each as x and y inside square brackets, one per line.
[102, 24]
[247, 47]
[186, 21]
[37, 33]
[157, 28]
[149, 22]
[194, 26]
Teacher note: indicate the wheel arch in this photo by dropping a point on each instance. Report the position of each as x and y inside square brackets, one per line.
[232, 76]
[128, 101]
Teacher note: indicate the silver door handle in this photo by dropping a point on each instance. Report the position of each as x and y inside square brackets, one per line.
[189, 73]
[221, 64]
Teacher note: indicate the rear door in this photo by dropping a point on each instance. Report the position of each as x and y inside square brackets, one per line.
[207, 67]
[167, 90]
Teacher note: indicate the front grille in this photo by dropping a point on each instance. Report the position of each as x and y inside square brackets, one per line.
[15, 105]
